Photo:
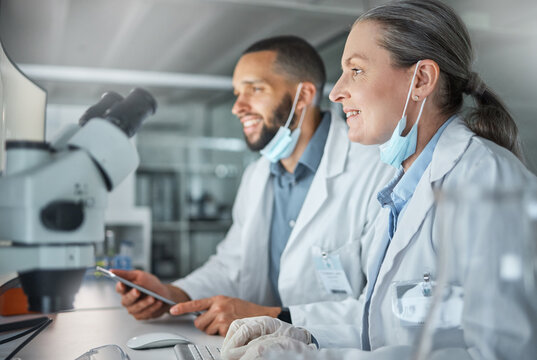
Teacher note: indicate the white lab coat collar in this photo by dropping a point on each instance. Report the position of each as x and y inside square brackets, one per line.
[451, 146]
[262, 194]
[332, 164]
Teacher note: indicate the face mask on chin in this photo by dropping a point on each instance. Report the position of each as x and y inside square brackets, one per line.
[284, 142]
[399, 148]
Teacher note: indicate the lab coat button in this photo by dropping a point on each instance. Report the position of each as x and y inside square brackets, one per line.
[292, 223]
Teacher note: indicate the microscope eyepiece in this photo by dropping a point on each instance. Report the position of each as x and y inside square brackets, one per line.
[98, 110]
[129, 113]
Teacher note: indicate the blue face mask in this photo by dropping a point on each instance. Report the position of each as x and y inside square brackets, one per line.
[399, 148]
[284, 142]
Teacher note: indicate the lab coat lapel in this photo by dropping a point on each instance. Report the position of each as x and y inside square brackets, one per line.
[255, 238]
[421, 203]
[450, 148]
[332, 164]
[377, 250]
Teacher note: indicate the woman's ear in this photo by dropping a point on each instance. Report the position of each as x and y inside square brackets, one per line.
[307, 95]
[427, 78]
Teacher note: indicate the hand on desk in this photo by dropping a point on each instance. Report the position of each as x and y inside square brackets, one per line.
[139, 305]
[221, 311]
[255, 337]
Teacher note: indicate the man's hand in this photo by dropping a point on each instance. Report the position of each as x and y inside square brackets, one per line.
[140, 305]
[221, 311]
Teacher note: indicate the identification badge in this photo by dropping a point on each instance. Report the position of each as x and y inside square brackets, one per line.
[411, 301]
[332, 275]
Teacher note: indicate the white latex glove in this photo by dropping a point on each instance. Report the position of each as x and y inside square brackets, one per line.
[274, 347]
[243, 331]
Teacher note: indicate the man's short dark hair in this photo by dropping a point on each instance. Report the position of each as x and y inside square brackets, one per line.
[296, 58]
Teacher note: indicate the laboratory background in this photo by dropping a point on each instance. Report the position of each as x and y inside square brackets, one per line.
[169, 216]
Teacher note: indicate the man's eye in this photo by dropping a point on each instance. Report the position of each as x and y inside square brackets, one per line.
[257, 89]
[356, 71]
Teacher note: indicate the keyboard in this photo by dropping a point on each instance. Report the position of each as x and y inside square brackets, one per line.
[196, 352]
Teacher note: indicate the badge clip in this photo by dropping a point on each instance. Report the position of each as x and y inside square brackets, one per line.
[426, 287]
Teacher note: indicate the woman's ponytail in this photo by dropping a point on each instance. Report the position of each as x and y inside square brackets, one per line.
[490, 118]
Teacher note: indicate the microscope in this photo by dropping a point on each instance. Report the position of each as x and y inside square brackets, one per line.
[53, 195]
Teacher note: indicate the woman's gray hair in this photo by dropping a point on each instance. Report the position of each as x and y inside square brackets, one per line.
[414, 30]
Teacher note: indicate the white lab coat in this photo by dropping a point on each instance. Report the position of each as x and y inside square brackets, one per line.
[339, 209]
[460, 160]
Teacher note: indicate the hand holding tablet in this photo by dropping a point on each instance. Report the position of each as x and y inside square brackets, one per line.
[143, 290]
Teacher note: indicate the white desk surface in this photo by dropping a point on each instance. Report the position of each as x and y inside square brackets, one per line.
[99, 320]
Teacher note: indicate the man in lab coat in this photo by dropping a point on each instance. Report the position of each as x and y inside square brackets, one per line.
[303, 212]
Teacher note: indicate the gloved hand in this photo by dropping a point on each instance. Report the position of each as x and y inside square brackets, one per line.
[278, 348]
[243, 332]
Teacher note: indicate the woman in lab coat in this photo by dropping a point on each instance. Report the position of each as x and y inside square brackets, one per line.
[416, 56]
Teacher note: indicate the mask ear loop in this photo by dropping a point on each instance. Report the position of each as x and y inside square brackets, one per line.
[421, 110]
[302, 117]
[294, 105]
[410, 90]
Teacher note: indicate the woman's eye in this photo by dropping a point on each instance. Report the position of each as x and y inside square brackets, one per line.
[257, 89]
[356, 72]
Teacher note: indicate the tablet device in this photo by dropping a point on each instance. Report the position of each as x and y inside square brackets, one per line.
[113, 276]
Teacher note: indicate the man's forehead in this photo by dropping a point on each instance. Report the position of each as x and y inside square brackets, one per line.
[252, 81]
[257, 76]
[256, 62]
[259, 68]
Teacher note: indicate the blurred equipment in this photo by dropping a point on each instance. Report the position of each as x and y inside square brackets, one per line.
[22, 105]
[105, 352]
[53, 196]
[487, 283]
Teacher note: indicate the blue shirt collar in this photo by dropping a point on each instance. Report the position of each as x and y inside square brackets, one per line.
[401, 188]
[311, 158]
[407, 185]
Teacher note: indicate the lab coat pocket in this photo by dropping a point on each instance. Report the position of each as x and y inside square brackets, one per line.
[338, 270]
[412, 300]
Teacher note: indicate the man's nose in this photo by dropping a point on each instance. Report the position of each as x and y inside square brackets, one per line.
[240, 106]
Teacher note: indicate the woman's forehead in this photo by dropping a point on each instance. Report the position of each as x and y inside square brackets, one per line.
[363, 44]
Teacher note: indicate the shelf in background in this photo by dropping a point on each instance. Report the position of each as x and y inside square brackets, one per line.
[193, 225]
[133, 224]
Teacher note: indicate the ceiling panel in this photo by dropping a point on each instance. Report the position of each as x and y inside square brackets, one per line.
[207, 37]
[179, 36]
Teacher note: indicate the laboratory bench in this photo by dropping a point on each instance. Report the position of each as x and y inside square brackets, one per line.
[98, 319]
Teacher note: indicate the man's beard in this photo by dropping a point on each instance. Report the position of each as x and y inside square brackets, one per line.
[279, 118]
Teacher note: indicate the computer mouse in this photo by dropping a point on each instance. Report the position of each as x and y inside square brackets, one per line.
[156, 340]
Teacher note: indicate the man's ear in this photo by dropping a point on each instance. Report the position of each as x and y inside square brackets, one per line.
[307, 95]
[427, 78]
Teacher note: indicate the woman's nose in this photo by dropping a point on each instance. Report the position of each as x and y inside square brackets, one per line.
[338, 92]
